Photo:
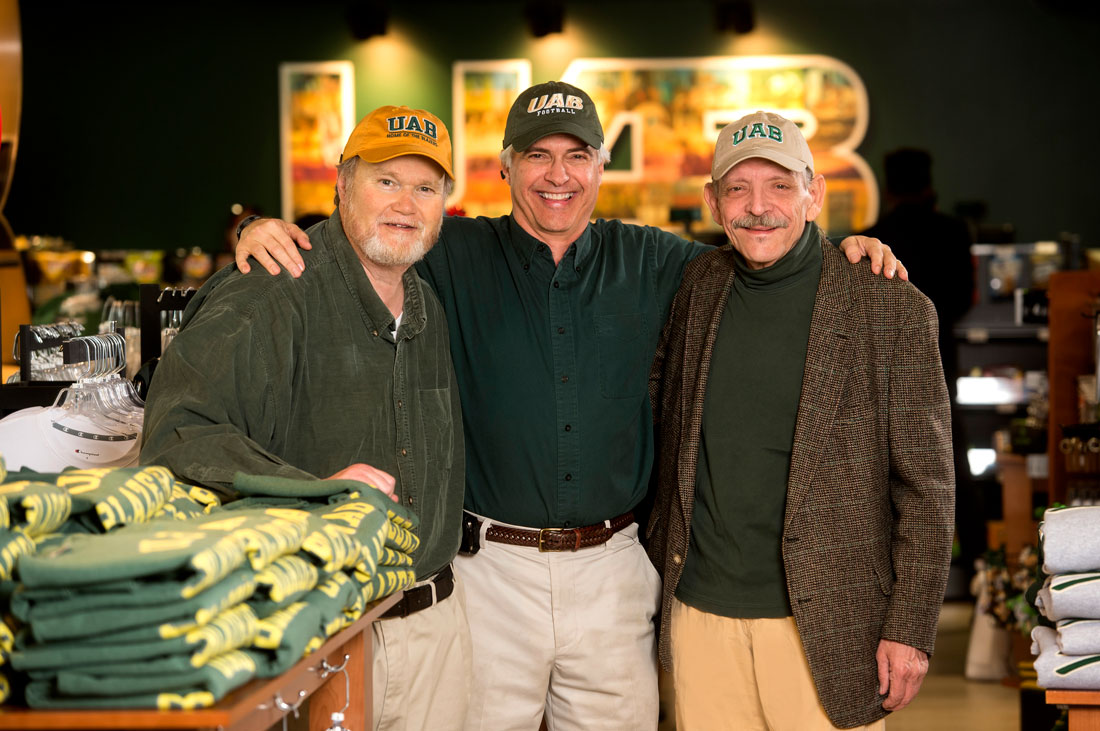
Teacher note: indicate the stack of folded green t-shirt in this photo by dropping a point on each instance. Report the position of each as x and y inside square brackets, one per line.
[134, 590]
[162, 600]
[353, 531]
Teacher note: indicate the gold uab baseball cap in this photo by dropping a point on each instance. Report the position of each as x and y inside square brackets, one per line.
[761, 134]
[390, 132]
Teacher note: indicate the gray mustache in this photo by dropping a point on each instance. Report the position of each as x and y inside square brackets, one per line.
[751, 221]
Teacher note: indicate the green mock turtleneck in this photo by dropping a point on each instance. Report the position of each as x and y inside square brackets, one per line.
[734, 567]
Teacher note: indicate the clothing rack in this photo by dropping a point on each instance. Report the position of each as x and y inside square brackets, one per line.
[29, 392]
[153, 302]
[32, 338]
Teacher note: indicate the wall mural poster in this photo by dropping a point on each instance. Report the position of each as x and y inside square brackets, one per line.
[483, 91]
[316, 116]
[662, 116]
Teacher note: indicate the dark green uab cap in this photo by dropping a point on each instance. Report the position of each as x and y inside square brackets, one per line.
[551, 108]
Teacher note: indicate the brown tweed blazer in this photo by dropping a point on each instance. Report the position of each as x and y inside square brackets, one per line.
[870, 496]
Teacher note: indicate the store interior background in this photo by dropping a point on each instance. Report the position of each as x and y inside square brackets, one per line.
[140, 126]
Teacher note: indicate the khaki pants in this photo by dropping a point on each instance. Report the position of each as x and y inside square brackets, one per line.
[421, 670]
[743, 675]
[566, 634]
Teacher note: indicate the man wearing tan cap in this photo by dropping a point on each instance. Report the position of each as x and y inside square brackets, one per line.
[554, 320]
[344, 372]
[805, 490]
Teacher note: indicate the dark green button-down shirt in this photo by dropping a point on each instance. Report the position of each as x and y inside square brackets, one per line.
[303, 377]
[553, 363]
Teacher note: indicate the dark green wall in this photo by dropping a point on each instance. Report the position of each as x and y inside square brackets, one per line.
[141, 127]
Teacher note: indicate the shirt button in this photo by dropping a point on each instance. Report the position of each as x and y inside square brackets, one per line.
[409, 500]
[568, 477]
[404, 452]
[526, 267]
[565, 379]
[578, 270]
[556, 285]
[676, 559]
[374, 333]
[400, 403]
[561, 331]
[568, 427]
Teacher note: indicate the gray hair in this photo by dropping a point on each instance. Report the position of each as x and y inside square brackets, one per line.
[509, 152]
[347, 167]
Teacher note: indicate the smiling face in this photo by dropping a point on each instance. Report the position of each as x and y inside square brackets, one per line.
[554, 185]
[392, 211]
[763, 208]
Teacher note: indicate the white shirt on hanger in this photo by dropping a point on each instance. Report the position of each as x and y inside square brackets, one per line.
[51, 439]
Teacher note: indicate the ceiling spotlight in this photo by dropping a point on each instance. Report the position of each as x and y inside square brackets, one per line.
[737, 16]
[544, 18]
[368, 18]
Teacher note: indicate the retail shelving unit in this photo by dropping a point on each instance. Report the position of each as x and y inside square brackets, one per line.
[258, 704]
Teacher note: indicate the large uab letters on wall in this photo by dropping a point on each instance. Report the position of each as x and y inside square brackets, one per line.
[661, 118]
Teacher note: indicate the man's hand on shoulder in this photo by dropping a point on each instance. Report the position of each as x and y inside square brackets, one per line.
[373, 476]
[882, 256]
[901, 670]
[273, 242]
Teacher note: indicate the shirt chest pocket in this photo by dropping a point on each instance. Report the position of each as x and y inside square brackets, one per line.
[437, 430]
[625, 354]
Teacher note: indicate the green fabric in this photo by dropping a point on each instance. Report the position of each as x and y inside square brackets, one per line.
[232, 668]
[267, 533]
[384, 581]
[328, 547]
[391, 557]
[369, 523]
[118, 496]
[734, 565]
[284, 637]
[284, 582]
[13, 544]
[553, 364]
[196, 559]
[339, 603]
[36, 507]
[210, 684]
[302, 377]
[53, 623]
[187, 502]
[233, 628]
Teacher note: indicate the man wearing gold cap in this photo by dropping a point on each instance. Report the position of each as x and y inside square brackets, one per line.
[805, 489]
[344, 372]
[554, 320]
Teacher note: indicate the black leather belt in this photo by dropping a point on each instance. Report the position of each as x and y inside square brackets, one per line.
[435, 590]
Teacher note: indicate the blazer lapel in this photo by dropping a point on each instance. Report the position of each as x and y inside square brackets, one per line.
[707, 304]
[828, 356]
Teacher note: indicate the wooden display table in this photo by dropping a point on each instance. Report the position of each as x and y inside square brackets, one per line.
[1084, 707]
[253, 706]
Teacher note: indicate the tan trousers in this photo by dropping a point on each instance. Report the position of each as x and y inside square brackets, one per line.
[422, 668]
[568, 635]
[743, 675]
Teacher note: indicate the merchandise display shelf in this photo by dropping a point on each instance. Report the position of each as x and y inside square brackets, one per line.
[255, 706]
[1084, 707]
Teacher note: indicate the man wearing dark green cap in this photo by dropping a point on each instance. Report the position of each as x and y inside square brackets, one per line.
[554, 320]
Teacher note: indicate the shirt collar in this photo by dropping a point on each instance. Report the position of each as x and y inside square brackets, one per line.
[376, 315]
[802, 259]
[526, 244]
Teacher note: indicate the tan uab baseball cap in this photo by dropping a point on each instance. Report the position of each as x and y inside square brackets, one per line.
[390, 132]
[761, 134]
